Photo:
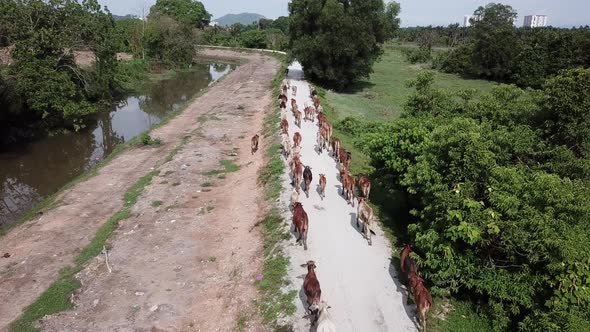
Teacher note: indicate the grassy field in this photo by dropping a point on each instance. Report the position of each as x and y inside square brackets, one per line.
[382, 97]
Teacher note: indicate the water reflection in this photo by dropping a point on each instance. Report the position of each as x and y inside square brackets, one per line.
[31, 172]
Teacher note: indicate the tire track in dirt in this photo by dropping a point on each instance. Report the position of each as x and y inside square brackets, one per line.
[151, 254]
[357, 280]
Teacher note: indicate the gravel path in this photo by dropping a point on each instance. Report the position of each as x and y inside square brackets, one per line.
[357, 280]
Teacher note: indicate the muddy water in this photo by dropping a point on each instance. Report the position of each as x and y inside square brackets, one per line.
[29, 173]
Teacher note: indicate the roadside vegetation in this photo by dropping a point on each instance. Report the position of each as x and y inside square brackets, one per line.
[274, 303]
[63, 59]
[487, 181]
[263, 34]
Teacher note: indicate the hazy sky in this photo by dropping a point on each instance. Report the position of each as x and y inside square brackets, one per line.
[414, 12]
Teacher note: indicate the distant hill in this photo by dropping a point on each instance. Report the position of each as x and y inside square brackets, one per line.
[243, 18]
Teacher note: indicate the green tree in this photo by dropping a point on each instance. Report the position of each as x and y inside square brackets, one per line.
[337, 41]
[392, 21]
[185, 11]
[253, 39]
[169, 41]
[495, 42]
[566, 108]
[54, 89]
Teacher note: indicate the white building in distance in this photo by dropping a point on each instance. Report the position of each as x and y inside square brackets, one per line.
[535, 21]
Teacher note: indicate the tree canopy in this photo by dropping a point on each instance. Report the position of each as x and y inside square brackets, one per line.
[337, 41]
[496, 186]
[185, 11]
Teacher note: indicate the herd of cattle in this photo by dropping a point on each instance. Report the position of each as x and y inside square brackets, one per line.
[302, 177]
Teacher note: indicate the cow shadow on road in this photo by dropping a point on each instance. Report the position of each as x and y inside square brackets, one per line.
[396, 277]
[353, 224]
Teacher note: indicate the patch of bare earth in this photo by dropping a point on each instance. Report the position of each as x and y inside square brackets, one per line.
[188, 257]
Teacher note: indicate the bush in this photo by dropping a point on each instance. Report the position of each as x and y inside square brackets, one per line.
[417, 55]
[493, 218]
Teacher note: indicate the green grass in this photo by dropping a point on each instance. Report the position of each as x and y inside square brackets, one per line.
[382, 97]
[229, 166]
[274, 303]
[157, 203]
[463, 317]
[56, 298]
[206, 184]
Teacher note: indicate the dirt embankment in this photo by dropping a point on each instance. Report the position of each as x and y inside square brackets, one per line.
[187, 259]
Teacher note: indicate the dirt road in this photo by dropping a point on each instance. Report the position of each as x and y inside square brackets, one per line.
[357, 280]
[187, 258]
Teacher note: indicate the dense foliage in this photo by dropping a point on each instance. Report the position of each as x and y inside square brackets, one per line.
[44, 78]
[337, 41]
[497, 186]
[264, 34]
[189, 12]
[63, 55]
[495, 49]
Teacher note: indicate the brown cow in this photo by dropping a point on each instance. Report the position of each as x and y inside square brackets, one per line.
[342, 156]
[297, 115]
[293, 103]
[329, 130]
[285, 126]
[350, 184]
[293, 162]
[285, 89]
[423, 301]
[297, 139]
[307, 178]
[365, 186]
[321, 118]
[301, 223]
[322, 186]
[298, 175]
[323, 139]
[364, 213]
[254, 144]
[343, 175]
[345, 160]
[308, 114]
[312, 289]
[335, 147]
[286, 146]
[404, 256]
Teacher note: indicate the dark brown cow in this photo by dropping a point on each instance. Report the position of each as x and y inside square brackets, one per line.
[293, 103]
[365, 186]
[301, 223]
[342, 155]
[283, 105]
[255, 143]
[297, 139]
[347, 160]
[364, 213]
[307, 178]
[335, 147]
[285, 89]
[322, 186]
[405, 254]
[294, 89]
[285, 126]
[312, 289]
